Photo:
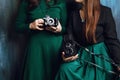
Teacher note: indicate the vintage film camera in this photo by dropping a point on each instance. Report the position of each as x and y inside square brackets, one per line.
[69, 46]
[48, 21]
[70, 49]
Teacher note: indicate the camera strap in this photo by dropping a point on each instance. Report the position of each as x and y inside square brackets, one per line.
[70, 38]
[102, 57]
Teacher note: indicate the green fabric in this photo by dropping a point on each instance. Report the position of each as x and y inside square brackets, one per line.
[41, 60]
[80, 70]
[55, 11]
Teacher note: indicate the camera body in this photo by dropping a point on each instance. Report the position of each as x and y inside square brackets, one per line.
[70, 48]
[48, 21]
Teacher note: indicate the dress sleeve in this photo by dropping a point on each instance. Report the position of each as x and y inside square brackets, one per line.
[63, 15]
[21, 23]
[111, 39]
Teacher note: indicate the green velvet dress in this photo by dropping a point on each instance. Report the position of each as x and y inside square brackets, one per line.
[41, 60]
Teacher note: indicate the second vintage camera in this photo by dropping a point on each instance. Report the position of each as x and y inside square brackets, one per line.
[70, 48]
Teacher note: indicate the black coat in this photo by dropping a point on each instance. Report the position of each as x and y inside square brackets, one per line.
[105, 31]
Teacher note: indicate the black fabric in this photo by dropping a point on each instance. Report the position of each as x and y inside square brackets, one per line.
[105, 31]
[69, 46]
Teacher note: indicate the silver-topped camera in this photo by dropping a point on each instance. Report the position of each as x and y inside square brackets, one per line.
[48, 21]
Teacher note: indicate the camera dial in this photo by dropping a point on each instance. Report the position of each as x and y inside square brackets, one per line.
[48, 21]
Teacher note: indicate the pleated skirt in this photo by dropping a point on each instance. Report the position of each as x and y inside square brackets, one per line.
[89, 66]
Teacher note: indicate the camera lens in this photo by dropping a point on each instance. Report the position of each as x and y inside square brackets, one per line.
[51, 21]
[48, 21]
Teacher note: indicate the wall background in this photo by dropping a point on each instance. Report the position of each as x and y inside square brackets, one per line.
[114, 5]
[12, 45]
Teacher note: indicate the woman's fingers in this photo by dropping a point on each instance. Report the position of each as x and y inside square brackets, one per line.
[58, 27]
[118, 68]
[38, 28]
[68, 59]
[37, 24]
[55, 29]
[40, 21]
[51, 29]
[75, 57]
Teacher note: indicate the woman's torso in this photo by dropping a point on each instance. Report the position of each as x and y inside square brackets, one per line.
[41, 11]
[79, 26]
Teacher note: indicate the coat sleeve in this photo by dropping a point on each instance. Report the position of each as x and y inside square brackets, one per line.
[110, 35]
[22, 23]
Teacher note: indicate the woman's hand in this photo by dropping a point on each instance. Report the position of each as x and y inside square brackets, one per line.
[118, 68]
[68, 59]
[37, 24]
[56, 29]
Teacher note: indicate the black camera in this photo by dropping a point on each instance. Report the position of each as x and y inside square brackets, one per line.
[70, 48]
[48, 21]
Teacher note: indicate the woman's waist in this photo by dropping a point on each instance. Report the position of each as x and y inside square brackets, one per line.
[92, 44]
[44, 33]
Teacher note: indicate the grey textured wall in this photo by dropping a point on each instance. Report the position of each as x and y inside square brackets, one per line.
[12, 45]
[114, 5]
